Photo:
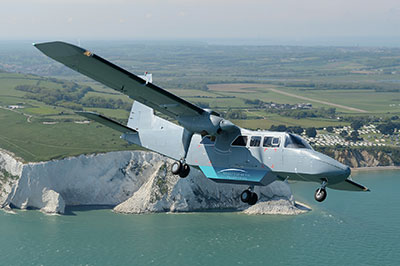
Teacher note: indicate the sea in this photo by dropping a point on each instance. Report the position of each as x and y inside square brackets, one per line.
[349, 228]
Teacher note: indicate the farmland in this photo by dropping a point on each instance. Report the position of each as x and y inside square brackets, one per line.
[357, 82]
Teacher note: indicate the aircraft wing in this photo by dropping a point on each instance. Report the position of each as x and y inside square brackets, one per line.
[113, 76]
[107, 122]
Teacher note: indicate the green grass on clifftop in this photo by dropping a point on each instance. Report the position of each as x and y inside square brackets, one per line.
[35, 141]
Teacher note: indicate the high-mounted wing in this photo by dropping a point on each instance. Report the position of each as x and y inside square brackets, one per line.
[113, 76]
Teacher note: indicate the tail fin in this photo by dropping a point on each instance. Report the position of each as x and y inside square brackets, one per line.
[141, 116]
[155, 133]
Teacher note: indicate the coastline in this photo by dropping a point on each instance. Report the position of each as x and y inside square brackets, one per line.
[375, 168]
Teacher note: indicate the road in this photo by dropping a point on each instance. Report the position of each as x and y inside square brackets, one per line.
[319, 101]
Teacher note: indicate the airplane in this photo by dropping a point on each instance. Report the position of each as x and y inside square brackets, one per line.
[201, 138]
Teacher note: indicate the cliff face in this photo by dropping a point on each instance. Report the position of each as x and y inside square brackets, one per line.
[10, 171]
[166, 192]
[363, 158]
[140, 182]
[136, 182]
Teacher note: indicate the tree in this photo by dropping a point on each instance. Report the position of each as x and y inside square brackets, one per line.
[280, 128]
[387, 129]
[344, 133]
[311, 132]
[236, 114]
[329, 129]
[356, 125]
[295, 129]
[354, 136]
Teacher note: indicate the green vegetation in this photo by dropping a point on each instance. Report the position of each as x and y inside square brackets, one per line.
[35, 141]
[71, 97]
[6, 176]
[45, 128]
[318, 112]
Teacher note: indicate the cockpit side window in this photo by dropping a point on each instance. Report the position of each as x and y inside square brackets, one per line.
[240, 141]
[296, 142]
[271, 142]
[208, 140]
[255, 141]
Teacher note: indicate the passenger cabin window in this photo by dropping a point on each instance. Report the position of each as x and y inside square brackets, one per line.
[255, 141]
[296, 142]
[208, 140]
[271, 142]
[240, 141]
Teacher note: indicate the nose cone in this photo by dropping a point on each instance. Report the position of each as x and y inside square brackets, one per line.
[330, 168]
[334, 168]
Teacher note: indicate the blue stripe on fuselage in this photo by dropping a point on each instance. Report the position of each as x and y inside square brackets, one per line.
[233, 174]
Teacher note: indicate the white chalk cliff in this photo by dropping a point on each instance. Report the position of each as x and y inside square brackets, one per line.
[134, 182]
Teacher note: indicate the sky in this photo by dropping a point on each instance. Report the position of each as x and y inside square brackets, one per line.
[273, 20]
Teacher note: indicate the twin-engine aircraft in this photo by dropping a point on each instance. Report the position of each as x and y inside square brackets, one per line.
[203, 139]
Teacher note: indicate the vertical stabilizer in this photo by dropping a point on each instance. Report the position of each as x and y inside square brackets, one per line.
[141, 116]
[156, 133]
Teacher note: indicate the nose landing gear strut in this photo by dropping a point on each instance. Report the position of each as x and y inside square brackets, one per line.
[320, 194]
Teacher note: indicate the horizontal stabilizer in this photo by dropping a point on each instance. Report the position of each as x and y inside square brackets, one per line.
[107, 122]
[349, 184]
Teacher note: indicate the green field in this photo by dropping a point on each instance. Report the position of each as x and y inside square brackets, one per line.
[38, 142]
[25, 132]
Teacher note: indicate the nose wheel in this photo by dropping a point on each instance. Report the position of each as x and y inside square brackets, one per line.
[249, 197]
[181, 169]
[320, 194]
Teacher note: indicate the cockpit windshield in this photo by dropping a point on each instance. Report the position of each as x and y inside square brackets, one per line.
[296, 142]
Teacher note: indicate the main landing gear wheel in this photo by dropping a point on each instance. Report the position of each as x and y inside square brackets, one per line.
[184, 171]
[320, 194]
[249, 197]
[177, 168]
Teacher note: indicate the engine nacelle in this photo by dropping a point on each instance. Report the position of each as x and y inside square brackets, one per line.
[207, 124]
[228, 126]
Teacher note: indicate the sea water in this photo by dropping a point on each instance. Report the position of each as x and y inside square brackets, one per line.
[349, 228]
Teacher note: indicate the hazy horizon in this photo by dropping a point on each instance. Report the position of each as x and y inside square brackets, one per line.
[286, 22]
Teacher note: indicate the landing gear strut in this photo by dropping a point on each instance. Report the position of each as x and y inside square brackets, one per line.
[249, 197]
[320, 194]
[181, 169]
